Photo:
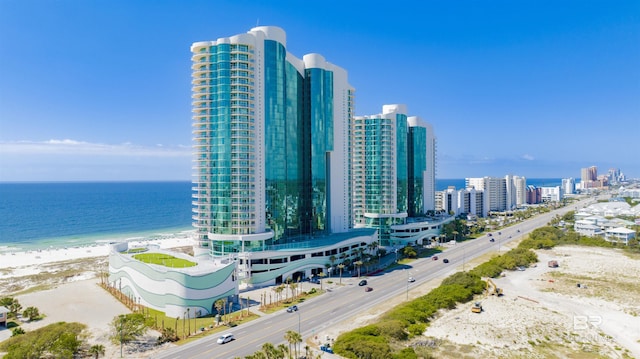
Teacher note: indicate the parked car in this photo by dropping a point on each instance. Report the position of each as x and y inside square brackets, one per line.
[293, 308]
[492, 240]
[435, 258]
[363, 282]
[368, 289]
[411, 280]
[445, 260]
[225, 338]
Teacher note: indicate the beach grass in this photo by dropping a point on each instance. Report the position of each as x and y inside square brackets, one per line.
[163, 259]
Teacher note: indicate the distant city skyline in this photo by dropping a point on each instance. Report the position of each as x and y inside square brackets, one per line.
[95, 91]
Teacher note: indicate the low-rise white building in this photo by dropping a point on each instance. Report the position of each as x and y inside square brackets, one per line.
[551, 194]
[587, 228]
[619, 234]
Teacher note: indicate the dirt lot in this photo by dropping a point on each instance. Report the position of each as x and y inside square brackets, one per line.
[544, 314]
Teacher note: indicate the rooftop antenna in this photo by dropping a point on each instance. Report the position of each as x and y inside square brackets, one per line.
[257, 22]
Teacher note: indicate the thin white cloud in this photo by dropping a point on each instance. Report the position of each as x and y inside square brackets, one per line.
[528, 157]
[80, 148]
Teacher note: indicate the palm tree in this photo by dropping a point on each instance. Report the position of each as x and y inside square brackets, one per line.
[299, 341]
[358, 264]
[96, 350]
[290, 338]
[282, 350]
[293, 287]
[219, 304]
[293, 338]
[270, 351]
[341, 267]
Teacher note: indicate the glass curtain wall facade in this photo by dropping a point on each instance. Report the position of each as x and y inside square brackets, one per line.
[418, 163]
[263, 135]
[224, 139]
[381, 170]
[319, 92]
[402, 163]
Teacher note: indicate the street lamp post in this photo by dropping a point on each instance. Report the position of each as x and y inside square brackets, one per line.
[299, 330]
[407, 285]
[464, 256]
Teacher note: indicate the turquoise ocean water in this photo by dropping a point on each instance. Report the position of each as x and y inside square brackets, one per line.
[43, 215]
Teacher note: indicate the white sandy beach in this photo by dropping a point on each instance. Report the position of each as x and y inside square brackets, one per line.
[22, 267]
[52, 255]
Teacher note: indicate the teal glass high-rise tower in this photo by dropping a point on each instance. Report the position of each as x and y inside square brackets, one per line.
[393, 171]
[270, 143]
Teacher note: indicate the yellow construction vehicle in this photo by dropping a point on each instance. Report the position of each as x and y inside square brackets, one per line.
[477, 307]
[492, 288]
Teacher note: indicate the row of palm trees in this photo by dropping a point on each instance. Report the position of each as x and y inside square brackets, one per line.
[270, 351]
[362, 258]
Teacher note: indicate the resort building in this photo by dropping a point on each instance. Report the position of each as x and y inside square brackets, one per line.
[551, 194]
[568, 185]
[177, 291]
[283, 170]
[393, 173]
[467, 201]
[287, 181]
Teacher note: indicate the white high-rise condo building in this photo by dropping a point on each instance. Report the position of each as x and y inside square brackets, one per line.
[271, 143]
[393, 169]
[282, 173]
[568, 185]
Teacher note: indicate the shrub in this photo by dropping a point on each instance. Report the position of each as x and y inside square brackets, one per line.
[488, 269]
[168, 335]
[31, 313]
[393, 329]
[406, 353]
[58, 340]
[467, 280]
[416, 329]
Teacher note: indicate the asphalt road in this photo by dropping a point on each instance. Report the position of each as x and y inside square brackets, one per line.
[351, 300]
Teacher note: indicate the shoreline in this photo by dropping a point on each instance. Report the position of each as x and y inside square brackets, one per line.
[91, 240]
[24, 258]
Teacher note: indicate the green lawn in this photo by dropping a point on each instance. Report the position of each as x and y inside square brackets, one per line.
[166, 260]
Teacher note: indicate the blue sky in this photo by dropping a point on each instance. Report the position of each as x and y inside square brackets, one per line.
[100, 90]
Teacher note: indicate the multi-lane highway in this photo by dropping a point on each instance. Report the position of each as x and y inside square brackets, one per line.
[351, 300]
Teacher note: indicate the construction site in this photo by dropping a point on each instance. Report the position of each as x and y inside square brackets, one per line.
[491, 289]
[582, 303]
